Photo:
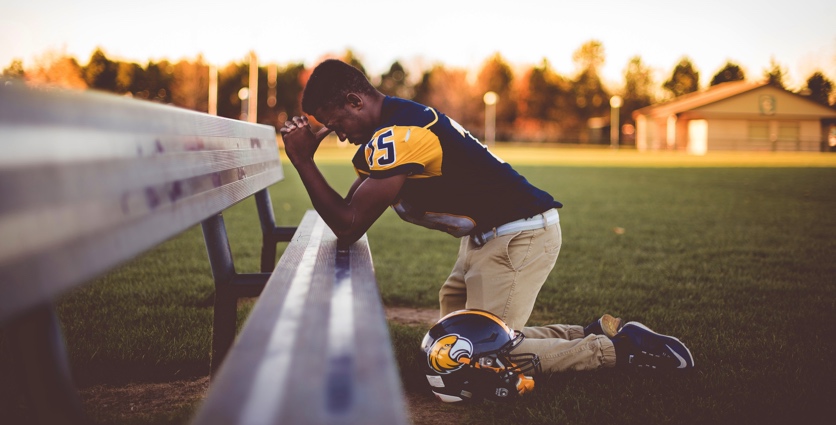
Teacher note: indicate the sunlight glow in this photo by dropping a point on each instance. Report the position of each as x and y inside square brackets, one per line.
[458, 34]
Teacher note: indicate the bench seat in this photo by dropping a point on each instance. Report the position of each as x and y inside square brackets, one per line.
[315, 349]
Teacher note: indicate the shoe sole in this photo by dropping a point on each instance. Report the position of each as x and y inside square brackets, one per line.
[689, 362]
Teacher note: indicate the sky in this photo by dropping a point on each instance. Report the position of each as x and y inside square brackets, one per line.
[800, 35]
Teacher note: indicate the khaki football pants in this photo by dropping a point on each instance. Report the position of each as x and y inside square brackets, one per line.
[504, 276]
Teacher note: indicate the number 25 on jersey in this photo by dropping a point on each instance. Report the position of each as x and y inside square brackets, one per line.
[381, 149]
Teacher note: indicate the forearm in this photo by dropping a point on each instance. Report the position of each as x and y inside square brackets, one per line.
[337, 213]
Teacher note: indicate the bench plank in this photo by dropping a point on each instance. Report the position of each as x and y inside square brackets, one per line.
[318, 311]
[90, 180]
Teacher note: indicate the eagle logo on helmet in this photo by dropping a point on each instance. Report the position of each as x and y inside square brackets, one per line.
[448, 352]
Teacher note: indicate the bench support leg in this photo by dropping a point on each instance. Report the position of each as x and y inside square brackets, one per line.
[41, 358]
[268, 223]
[229, 285]
[224, 324]
[226, 302]
[270, 233]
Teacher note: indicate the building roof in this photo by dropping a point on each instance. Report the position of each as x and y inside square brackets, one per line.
[711, 95]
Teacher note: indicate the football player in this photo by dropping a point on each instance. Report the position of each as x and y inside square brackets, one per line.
[434, 173]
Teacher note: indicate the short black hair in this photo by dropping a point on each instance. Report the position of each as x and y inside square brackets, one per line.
[330, 82]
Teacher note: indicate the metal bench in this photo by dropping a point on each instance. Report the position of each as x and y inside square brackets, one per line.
[89, 181]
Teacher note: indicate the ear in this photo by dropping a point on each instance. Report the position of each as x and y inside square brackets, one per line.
[354, 100]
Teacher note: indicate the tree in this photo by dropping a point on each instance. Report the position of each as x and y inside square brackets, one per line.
[154, 82]
[14, 70]
[730, 72]
[775, 74]
[190, 85]
[820, 88]
[448, 91]
[129, 78]
[590, 56]
[289, 91]
[231, 79]
[684, 79]
[638, 88]
[496, 76]
[543, 98]
[350, 58]
[56, 69]
[141, 86]
[394, 82]
[423, 90]
[124, 77]
[638, 83]
[538, 93]
[100, 72]
[591, 99]
[160, 76]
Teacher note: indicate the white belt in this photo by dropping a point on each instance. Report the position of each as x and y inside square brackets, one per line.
[538, 221]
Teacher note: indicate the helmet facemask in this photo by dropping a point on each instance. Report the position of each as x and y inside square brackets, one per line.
[502, 360]
[515, 372]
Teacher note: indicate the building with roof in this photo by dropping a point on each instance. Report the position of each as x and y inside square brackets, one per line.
[737, 115]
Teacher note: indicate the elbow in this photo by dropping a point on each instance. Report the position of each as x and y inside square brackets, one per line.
[348, 227]
[349, 231]
[343, 244]
[347, 237]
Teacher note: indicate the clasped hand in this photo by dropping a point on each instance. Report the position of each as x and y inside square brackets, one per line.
[300, 142]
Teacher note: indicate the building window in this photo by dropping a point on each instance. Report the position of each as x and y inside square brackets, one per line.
[788, 136]
[788, 131]
[759, 131]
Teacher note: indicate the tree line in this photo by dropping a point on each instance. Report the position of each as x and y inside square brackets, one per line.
[537, 104]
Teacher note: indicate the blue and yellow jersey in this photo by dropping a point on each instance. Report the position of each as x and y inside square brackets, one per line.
[454, 183]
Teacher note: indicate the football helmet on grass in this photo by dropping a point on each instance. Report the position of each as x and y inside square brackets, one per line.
[469, 358]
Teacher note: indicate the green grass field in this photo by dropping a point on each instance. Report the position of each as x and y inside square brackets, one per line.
[733, 253]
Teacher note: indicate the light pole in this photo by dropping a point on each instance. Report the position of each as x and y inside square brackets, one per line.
[243, 95]
[490, 99]
[213, 90]
[615, 103]
[252, 91]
